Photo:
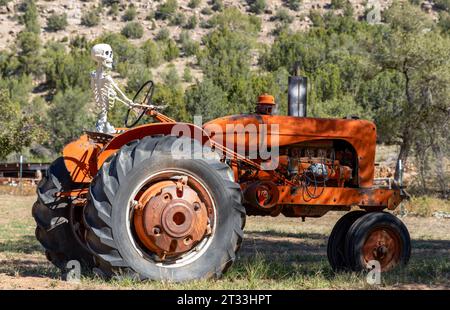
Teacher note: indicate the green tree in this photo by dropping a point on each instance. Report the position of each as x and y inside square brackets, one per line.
[30, 16]
[207, 100]
[67, 70]
[187, 75]
[29, 47]
[171, 96]
[171, 50]
[64, 118]
[151, 53]
[17, 130]
[422, 60]
[188, 46]
[137, 76]
[171, 76]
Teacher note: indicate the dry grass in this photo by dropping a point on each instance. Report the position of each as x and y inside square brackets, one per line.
[278, 253]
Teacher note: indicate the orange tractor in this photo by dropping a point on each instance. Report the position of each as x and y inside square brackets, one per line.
[168, 200]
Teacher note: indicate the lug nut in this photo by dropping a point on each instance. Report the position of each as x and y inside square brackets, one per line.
[196, 206]
[156, 230]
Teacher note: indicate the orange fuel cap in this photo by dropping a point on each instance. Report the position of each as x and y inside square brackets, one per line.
[266, 99]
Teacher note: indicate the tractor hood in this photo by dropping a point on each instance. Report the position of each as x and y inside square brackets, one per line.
[290, 129]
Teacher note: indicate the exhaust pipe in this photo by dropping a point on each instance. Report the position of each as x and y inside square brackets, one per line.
[297, 95]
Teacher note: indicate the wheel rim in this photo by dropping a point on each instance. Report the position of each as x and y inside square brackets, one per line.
[172, 218]
[384, 245]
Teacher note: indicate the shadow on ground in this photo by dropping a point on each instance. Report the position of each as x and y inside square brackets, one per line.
[290, 255]
[281, 255]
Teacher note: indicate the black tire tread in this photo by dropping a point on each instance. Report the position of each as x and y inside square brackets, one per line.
[360, 227]
[97, 215]
[336, 240]
[52, 216]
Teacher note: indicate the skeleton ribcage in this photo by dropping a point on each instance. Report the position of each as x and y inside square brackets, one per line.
[104, 94]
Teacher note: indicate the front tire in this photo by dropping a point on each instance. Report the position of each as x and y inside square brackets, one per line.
[144, 221]
[336, 241]
[378, 236]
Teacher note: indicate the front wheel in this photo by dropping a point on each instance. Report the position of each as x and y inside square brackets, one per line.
[164, 218]
[377, 236]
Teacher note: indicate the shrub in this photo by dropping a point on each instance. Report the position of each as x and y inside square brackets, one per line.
[91, 18]
[316, 18]
[150, 15]
[187, 75]
[258, 6]
[442, 5]
[191, 23]
[171, 76]
[293, 4]
[57, 22]
[193, 4]
[444, 21]
[206, 10]
[188, 46]
[133, 30]
[171, 51]
[114, 10]
[166, 9]
[283, 16]
[130, 13]
[217, 5]
[137, 75]
[162, 35]
[179, 19]
[151, 53]
[337, 4]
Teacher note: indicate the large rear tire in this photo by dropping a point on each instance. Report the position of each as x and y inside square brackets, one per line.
[138, 185]
[55, 218]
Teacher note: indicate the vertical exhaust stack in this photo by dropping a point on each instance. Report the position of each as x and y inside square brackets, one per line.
[297, 94]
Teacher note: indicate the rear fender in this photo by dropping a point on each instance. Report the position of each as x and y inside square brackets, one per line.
[84, 157]
[172, 129]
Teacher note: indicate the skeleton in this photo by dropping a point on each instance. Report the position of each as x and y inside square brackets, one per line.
[106, 91]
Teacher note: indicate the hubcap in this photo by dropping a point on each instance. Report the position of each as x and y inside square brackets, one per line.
[384, 245]
[172, 216]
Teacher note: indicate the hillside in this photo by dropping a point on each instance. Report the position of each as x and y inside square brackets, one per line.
[145, 9]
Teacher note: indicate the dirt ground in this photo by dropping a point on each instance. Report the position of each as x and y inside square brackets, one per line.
[278, 253]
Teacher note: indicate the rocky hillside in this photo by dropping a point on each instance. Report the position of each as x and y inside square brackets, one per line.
[113, 19]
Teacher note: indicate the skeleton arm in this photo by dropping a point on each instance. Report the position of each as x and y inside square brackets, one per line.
[122, 97]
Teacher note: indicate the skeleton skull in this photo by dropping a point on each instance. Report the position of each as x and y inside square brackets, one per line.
[102, 54]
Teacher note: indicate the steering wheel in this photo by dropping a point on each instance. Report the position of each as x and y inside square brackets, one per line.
[147, 88]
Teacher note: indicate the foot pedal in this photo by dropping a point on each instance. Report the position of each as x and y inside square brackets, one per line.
[99, 137]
